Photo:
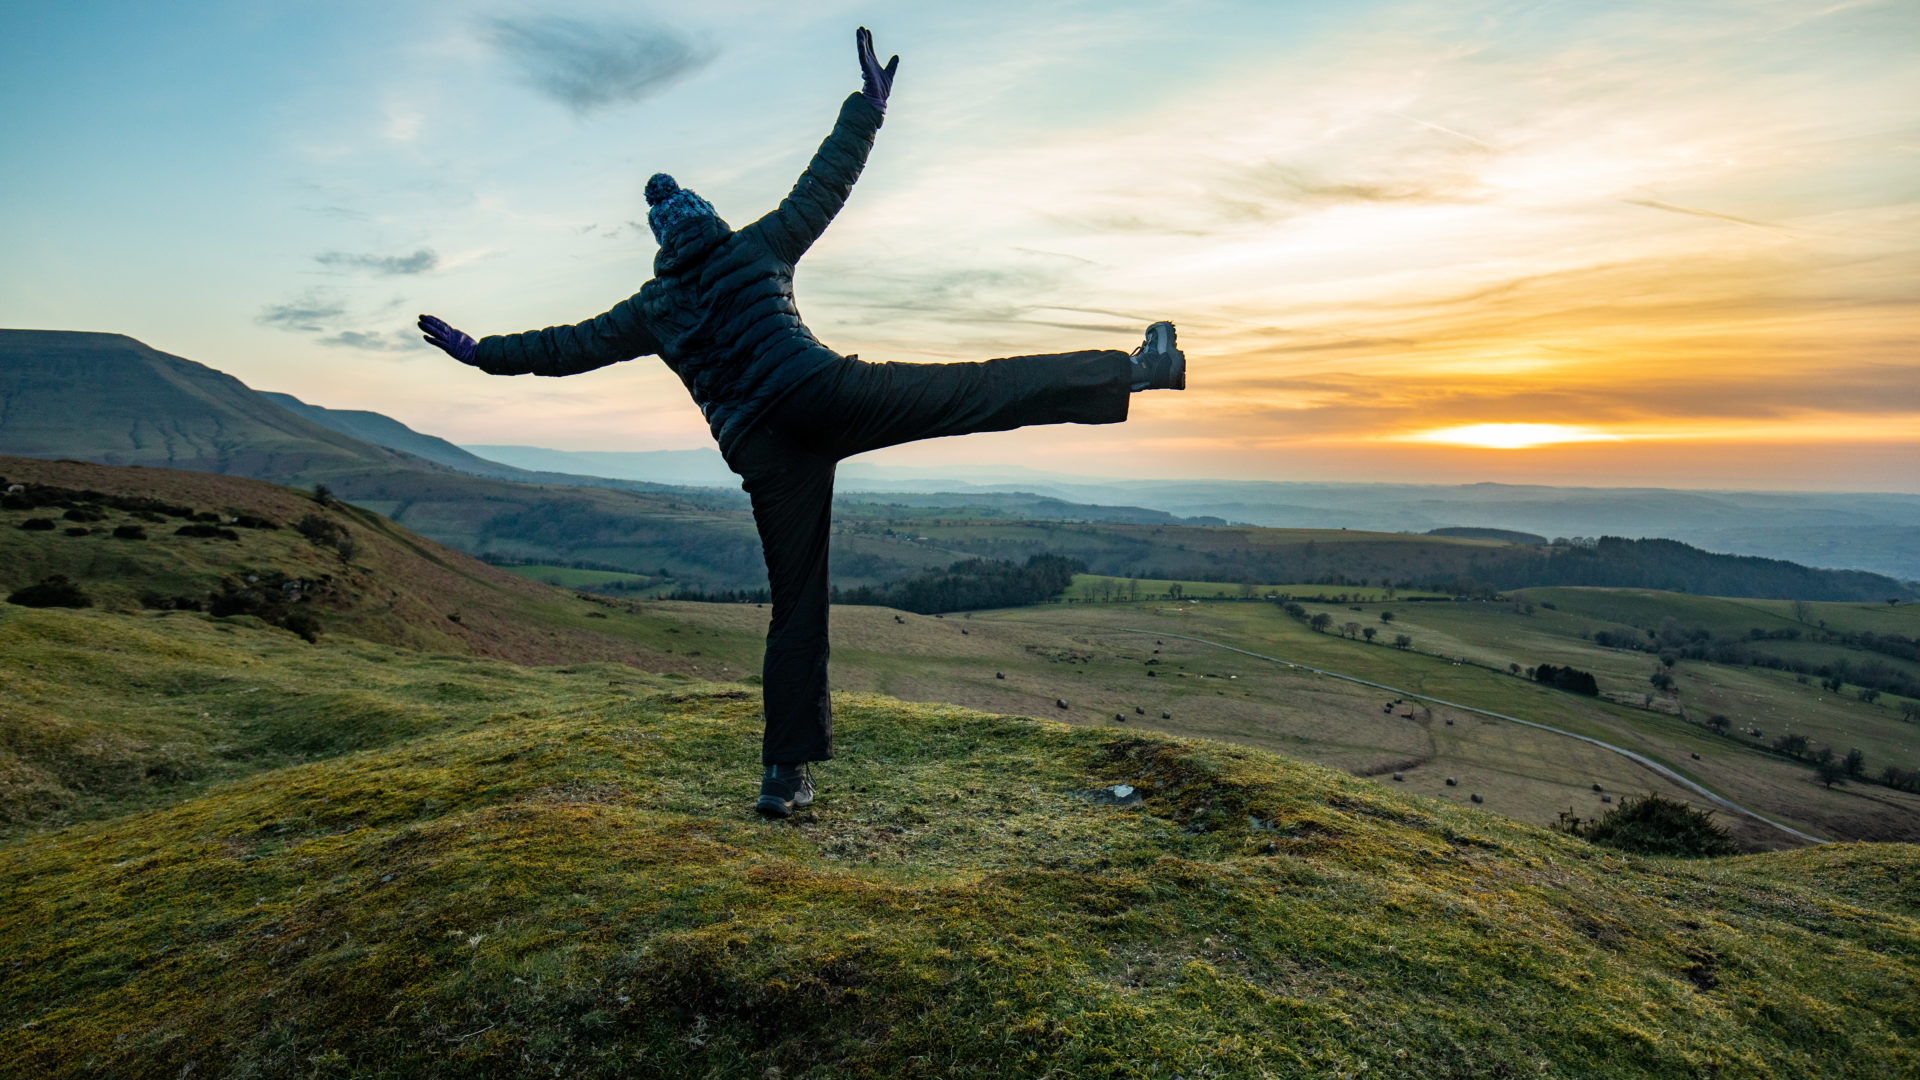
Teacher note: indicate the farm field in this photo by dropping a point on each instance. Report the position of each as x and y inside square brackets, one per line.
[570, 577]
[1025, 661]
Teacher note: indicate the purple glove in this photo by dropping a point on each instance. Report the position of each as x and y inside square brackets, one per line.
[447, 339]
[876, 82]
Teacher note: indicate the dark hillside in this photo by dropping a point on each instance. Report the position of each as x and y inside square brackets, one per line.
[1675, 567]
[110, 399]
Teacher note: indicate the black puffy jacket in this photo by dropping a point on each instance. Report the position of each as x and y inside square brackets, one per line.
[720, 308]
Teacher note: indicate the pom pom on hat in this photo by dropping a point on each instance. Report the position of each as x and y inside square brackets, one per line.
[660, 188]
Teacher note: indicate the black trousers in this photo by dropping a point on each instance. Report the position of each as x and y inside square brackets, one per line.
[786, 463]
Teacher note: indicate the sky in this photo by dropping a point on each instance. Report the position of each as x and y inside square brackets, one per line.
[1643, 244]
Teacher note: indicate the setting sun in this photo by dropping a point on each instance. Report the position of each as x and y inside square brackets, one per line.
[1510, 436]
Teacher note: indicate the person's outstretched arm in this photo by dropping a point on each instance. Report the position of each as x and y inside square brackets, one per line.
[823, 189]
[619, 334]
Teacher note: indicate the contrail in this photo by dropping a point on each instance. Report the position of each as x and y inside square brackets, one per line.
[1655, 204]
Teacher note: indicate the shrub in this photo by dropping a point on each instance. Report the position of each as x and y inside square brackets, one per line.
[37, 524]
[55, 591]
[206, 532]
[1654, 825]
[129, 532]
[324, 532]
[162, 602]
[270, 597]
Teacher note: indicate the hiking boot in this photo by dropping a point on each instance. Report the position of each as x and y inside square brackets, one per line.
[1157, 364]
[784, 789]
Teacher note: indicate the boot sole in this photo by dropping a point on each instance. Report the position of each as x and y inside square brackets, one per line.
[772, 806]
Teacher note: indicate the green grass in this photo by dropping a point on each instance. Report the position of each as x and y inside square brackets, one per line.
[570, 883]
[568, 577]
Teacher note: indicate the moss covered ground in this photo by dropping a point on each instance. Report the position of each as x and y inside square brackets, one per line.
[556, 872]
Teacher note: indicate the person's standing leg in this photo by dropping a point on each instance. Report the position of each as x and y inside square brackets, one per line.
[792, 492]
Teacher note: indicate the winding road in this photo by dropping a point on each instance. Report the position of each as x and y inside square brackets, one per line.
[1638, 759]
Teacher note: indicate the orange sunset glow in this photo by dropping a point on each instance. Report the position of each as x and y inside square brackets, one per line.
[1606, 244]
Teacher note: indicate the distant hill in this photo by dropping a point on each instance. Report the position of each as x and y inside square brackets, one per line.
[1507, 535]
[694, 468]
[381, 430]
[110, 399]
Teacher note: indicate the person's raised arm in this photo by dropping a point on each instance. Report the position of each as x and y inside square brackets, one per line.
[619, 334]
[822, 190]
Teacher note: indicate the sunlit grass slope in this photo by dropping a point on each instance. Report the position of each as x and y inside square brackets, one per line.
[566, 880]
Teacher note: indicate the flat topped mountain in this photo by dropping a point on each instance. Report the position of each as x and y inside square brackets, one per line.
[109, 399]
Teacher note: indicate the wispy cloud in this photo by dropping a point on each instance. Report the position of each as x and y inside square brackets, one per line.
[311, 313]
[374, 341]
[327, 317]
[591, 65]
[419, 262]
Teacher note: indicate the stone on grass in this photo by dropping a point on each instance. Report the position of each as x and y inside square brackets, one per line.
[1112, 795]
[1062, 702]
[1397, 776]
[1476, 797]
[1451, 781]
[999, 674]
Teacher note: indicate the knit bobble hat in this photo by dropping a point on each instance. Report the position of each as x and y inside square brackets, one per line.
[669, 203]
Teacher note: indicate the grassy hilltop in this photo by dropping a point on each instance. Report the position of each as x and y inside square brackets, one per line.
[553, 871]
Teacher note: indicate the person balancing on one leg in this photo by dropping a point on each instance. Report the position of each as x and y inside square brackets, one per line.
[785, 408]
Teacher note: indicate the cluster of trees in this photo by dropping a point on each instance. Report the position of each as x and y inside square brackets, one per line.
[564, 529]
[1832, 768]
[968, 585]
[1323, 621]
[1677, 567]
[1872, 676]
[972, 584]
[1570, 679]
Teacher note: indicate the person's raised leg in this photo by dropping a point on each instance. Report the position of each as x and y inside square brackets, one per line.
[792, 492]
[856, 407]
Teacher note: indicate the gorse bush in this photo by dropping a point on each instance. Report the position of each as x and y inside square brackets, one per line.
[55, 591]
[1654, 825]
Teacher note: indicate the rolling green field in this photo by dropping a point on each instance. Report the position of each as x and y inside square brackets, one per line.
[569, 577]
